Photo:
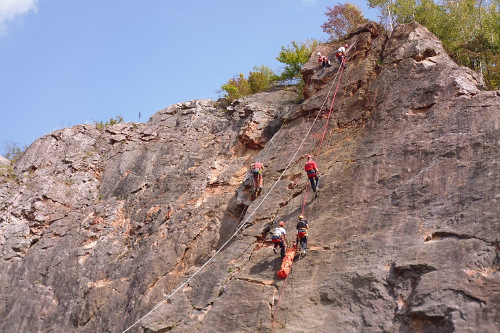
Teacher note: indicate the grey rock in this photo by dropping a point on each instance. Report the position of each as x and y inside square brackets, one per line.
[98, 227]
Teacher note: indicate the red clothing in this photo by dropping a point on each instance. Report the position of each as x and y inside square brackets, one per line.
[257, 174]
[257, 165]
[311, 167]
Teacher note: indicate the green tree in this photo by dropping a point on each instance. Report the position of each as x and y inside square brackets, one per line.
[294, 57]
[468, 29]
[261, 79]
[342, 18]
[236, 87]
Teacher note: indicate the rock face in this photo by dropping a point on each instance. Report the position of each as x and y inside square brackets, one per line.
[151, 227]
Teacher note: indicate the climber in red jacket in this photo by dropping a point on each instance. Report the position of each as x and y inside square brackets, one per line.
[311, 168]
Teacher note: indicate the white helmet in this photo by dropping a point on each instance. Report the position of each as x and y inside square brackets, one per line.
[319, 53]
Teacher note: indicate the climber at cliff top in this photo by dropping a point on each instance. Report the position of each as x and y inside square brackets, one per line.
[325, 62]
[257, 167]
[311, 168]
[279, 238]
[301, 238]
[341, 54]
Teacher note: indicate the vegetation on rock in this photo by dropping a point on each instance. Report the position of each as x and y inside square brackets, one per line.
[342, 18]
[468, 29]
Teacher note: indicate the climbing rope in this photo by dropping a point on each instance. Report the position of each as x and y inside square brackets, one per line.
[341, 70]
[331, 108]
[167, 297]
[278, 302]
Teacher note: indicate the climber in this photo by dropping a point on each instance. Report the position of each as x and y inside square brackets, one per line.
[325, 62]
[279, 238]
[301, 238]
[341, 54]
[311, 169]
[256, 169]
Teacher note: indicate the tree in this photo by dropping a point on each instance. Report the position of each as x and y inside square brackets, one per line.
[261, 79]
[468, 29]
[342, 18]
[236, 87]
[294, 57]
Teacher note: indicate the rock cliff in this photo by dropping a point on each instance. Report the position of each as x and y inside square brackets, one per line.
[151, 226]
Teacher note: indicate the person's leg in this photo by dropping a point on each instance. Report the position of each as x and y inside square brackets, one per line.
[282, 245]
[313, 184]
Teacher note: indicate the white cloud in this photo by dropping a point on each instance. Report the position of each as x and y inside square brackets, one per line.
[11, 9]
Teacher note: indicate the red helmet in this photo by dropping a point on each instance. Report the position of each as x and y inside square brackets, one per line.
[281, 223]
[346, 45]
[309, 156]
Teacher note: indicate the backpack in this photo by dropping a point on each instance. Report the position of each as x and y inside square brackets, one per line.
[302, 225]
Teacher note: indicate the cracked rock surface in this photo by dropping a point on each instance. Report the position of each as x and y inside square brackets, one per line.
[100, 226]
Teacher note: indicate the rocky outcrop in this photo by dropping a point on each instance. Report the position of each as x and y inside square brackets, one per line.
[98, 227]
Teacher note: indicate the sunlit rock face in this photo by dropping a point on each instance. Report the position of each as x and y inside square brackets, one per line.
[101, 225]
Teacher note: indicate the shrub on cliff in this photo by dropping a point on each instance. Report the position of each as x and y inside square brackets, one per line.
[258, 80]
[12, 151]
[112, 121]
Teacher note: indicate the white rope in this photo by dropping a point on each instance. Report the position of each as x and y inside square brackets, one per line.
[243, 224]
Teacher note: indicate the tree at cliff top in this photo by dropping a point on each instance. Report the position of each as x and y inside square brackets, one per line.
[342, 18]
[262, 78]
[258, 80]
[469, 29]
[294, 57]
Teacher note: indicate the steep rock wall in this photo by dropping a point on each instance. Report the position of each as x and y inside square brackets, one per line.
[100, 225]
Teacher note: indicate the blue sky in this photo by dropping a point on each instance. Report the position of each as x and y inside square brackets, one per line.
[69, 62]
